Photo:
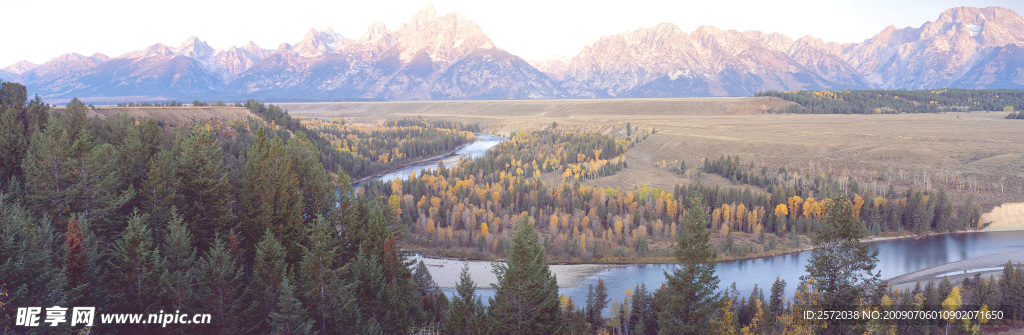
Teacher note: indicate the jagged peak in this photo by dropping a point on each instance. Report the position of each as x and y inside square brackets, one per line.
[422, 18]
[375, 31]
[99, 57]
[194, 47]
[318, 43]
[20, 67]
[975, 15]
[252, 47]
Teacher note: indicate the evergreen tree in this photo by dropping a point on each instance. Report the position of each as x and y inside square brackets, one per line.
[70, 174]
[367, 274]
[136, 268]
[467, 312]
[29, 269]
[317, 189]
[330, 302]
[159, 188]
[179, 274]
[776, 304]
[289, 318]
[268, 272]
[434, 302]
[841, 266]
[691, 303]
[526, 296]
[595, 307]
[220, 282]
[643, 318]
[13, 143]
[270, 196]
[204, 194]
[574, 318]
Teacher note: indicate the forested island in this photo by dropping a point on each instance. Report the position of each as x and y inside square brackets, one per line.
[256, 222]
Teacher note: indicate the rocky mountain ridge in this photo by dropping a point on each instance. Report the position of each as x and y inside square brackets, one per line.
[433, 57]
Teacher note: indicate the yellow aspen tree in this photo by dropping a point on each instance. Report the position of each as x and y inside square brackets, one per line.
[430, 226]
[716, 217]
[752, 220]
[794, 206]
[672, 207]
[858, 202]
[952, 303]
[618, 228]
[395, 205]
[740, 211]
[483, 229]
[583, 241]
[726, 321]
[808, 207]
[726, 215]
[781, 210]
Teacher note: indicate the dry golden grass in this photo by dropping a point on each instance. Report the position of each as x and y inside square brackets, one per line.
[176, 115]
[968, 153]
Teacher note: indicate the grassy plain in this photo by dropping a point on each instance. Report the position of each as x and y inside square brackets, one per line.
[176, 115]
[969, 153]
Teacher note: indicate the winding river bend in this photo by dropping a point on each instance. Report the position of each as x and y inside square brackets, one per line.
[896, 257]
[476, 149]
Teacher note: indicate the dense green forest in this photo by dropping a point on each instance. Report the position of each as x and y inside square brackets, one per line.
[899, 101]
[243, 221]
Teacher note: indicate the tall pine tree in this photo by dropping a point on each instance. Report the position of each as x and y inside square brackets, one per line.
[220, 281]
[268, 272]
[271, 198]
[842, 268]
[289, 317]
[330, 301]
[466, 315]
[136, 268]
[691, 303]
[526, 296]
[205, 198]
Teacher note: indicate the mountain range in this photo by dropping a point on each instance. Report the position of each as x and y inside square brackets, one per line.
[432, 57]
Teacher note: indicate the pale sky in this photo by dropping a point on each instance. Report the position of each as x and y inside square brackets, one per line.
[533, 29]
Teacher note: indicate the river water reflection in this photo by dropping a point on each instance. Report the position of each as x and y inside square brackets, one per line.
[895, 257]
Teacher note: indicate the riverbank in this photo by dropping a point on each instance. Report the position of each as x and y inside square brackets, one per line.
[1005, 217]
[957, 271]
[446, 272]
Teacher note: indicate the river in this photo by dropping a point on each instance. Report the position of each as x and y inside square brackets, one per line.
[476, 149]
[895, 257]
